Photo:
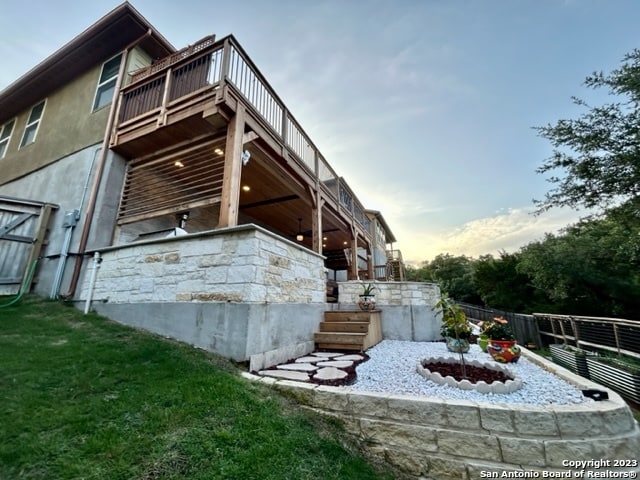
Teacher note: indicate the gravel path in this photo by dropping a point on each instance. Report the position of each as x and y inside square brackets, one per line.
[391, 368]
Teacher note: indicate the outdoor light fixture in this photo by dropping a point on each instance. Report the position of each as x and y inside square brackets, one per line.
[299, 237]
[218, 151]
[246, 155]
[179, 164]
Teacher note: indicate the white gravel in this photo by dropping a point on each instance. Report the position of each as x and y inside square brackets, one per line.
[391, 368]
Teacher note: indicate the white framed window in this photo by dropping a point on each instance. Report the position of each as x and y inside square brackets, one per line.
[107, 82]
[5, 136]
[31, 128]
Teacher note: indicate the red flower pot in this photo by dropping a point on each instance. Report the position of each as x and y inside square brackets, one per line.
[504, 351]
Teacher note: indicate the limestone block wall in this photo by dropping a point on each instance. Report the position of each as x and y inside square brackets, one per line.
[407, 308]
[435, 439]
[242, 264]
[241, 291]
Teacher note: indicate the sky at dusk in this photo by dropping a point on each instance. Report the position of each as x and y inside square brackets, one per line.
[426, 107]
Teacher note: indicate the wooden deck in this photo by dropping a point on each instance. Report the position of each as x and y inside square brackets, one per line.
[212, 93]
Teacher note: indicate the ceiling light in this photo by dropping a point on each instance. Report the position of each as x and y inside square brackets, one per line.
[345, 243]
[299, 237]
[246, 188]
[324, 238]
[178, 163]
[219, 151]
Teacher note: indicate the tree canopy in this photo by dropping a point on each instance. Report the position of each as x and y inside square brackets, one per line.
[598, 152]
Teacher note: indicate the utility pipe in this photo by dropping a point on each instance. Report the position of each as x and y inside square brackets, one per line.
[92, 281]
[91, 207]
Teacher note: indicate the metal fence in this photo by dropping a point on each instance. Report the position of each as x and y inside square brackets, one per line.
[601, 334]
[524, 326]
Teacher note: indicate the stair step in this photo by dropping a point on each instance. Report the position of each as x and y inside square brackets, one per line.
[347, 316]
[339, 338]
[354, 327]
[340, 346]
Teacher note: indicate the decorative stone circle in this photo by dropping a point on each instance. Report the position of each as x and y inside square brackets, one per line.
[482, 387]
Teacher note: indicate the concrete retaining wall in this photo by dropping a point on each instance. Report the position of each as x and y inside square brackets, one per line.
[407, 308]
[439, 439]
[241, 292]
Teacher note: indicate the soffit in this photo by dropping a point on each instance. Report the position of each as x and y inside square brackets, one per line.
[104, 39]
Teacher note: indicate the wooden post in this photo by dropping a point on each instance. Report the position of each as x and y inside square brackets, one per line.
[316, 228]
[162, 117]
[230, 197]
[354, 257]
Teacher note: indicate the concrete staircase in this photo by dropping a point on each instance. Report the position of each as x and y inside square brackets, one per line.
[354, 330]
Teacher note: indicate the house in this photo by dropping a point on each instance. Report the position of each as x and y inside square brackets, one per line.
[178, 193]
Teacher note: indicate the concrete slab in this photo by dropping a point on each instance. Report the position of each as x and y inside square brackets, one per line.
[308, 359]
[299, 367]
[336, 363]
[330, 373]
[289, 375]
[327, 354]
[354, 357]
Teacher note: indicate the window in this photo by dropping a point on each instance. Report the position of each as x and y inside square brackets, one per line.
[107, 83]
[5, 136]
[31, 129]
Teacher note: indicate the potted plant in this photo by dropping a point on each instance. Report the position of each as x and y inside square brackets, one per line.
[367, 300]
[502, 342]
[455, 329]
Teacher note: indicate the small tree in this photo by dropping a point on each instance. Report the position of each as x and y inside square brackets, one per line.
[454, 324]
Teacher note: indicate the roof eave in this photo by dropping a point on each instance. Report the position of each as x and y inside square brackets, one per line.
[105, 38]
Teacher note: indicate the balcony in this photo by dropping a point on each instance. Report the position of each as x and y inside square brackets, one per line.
[185, 103]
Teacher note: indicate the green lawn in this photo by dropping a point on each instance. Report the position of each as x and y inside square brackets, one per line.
[85, 398]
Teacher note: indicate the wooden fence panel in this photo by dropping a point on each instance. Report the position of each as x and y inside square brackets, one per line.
[23, 226]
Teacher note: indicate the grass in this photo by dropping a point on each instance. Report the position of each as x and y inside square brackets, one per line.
[85, 398]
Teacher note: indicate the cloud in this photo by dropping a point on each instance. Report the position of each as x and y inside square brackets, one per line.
[507, 230]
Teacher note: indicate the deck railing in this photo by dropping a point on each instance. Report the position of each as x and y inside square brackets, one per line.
[592, 333]
[204, 67]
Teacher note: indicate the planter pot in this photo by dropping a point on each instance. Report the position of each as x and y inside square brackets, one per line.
[483, 343]
[367, 302]
[457, 345]
[612, 373]
[504, 351]
[571, 358]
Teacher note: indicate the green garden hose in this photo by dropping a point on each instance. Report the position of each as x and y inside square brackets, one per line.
[25, 285]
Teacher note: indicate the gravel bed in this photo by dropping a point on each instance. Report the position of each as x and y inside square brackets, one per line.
[391, 368]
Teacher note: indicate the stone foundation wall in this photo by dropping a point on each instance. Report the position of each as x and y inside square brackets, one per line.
[439, 439]
[407, 308]
[241, 292]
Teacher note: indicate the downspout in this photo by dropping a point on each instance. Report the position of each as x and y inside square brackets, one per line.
[100, 170]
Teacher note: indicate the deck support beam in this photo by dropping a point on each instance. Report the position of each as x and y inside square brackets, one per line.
[230, 198]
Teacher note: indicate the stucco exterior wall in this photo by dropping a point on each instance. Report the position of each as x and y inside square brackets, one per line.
[68, 125]
[67, 183]
[242, 292]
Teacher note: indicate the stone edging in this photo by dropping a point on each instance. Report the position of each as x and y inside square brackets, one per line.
[508, 386]
[441, 439]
